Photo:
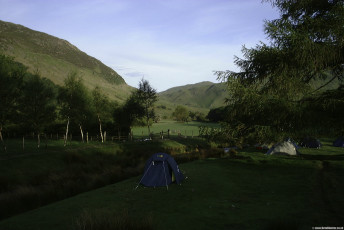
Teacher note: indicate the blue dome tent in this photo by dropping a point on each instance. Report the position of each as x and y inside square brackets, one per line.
[339, 142]
[161, 170]
[311, 143]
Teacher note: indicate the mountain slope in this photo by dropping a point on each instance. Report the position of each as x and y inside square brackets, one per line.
[55, 58]
[205, 95]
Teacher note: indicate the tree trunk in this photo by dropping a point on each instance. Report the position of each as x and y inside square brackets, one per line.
[2, 140]
[82, 133]
[100, 129]
[66, 137]
[149, 133]
[38, 140]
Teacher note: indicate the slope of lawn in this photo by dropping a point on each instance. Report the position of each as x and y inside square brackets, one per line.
[248, 191]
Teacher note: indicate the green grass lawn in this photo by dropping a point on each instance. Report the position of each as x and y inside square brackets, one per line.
[32, 177]
[251, 191]
[185, 129]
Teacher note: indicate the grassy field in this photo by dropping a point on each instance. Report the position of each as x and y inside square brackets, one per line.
[248, 191]
[33, 177]
[185, 129]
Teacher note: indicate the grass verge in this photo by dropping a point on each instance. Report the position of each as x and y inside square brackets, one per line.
[248, 191]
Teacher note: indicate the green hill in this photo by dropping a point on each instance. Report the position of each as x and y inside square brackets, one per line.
[54, 58]
[206, 95]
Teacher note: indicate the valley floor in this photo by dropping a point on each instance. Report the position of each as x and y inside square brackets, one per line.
[250, 191]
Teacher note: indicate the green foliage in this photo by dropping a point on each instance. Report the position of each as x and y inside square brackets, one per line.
[146, 96]
[326, 110]
[273, 96]
[126, 115]
[217, 114]
[37, 103]
[75, 100]
[11, 78]
[181, 114]
[102, 105]
[197, 116]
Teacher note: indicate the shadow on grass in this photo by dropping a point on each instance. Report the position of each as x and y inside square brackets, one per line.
[106, 220]
[323, 157]
[283, 225]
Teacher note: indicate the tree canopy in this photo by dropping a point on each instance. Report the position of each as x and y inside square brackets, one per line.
[38, 103]
[147, 96]
[181, 114]
[272, 94]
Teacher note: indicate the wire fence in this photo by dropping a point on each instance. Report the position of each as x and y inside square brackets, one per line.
[97, 137]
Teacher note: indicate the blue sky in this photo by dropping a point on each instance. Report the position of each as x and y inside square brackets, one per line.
[168, 42]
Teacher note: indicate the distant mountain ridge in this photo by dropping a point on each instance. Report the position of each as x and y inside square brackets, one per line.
[205, 95]
[54, 58]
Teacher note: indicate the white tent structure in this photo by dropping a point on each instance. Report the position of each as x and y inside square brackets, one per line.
[283, 148]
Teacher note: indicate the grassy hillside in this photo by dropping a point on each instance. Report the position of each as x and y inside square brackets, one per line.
[250, 191]
[206, 95]
[54, 58]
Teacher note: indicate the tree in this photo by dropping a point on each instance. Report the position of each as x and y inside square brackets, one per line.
[74, 102]
[130, 111]
[268, 95]
[217, 114]
[102, 106]
[37, 104]
[306, 44]
[181, 114]
[11, 78]
[147, 97]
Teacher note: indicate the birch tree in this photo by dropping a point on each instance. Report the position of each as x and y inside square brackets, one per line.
[103, 108]
[75, 103]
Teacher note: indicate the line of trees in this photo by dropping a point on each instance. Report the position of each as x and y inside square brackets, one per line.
[33, 104]
[282, 88]
[182, 114]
